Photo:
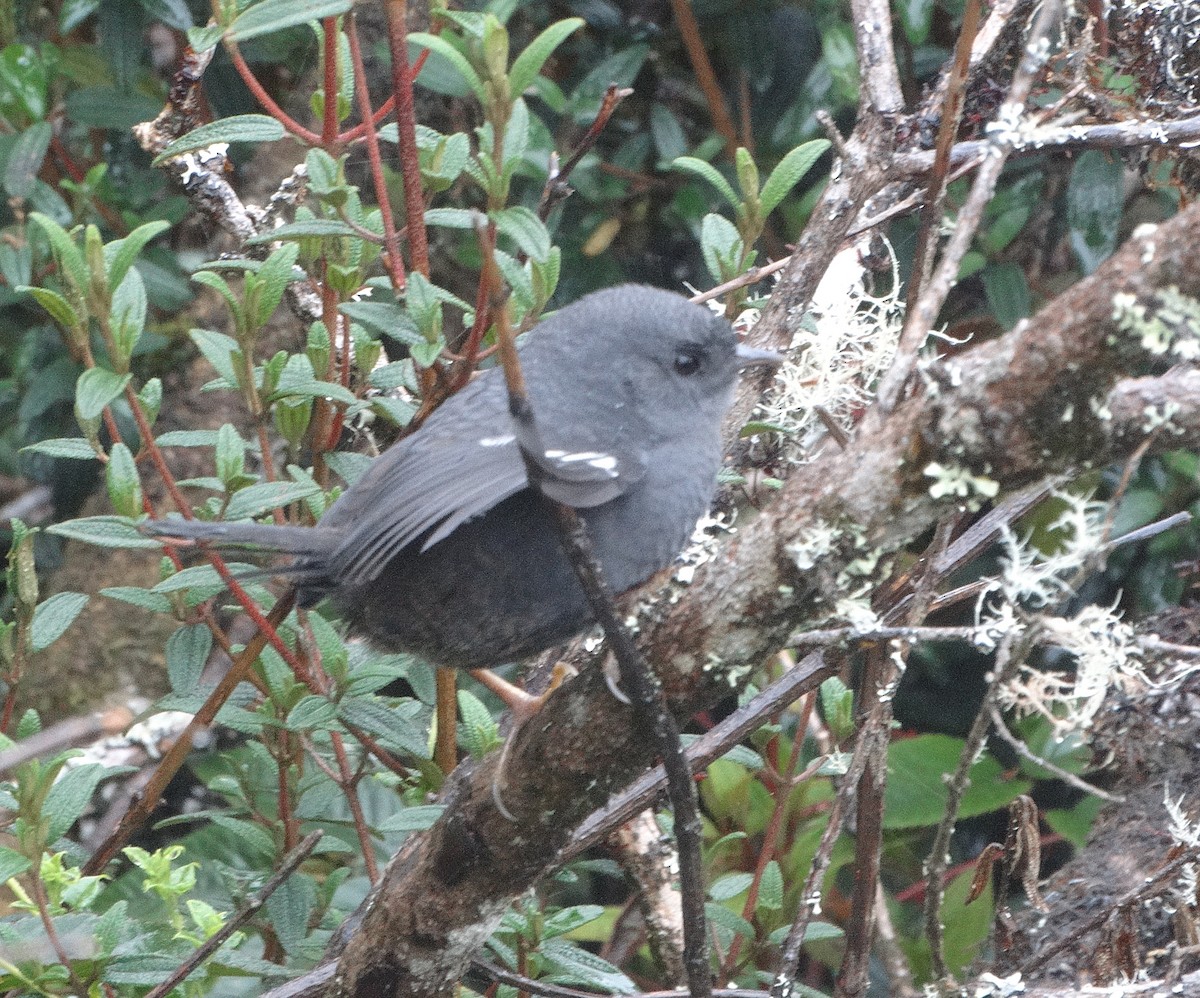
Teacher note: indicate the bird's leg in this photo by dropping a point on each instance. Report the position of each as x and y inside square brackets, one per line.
[523, 706]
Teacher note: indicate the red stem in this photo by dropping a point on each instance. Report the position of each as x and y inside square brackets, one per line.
[260, 94]
[391, 239]
[329, 118]
[406, 121]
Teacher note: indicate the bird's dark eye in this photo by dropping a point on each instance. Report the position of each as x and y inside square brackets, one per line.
[688, 360]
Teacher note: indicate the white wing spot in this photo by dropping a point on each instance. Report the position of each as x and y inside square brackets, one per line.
[508, 438]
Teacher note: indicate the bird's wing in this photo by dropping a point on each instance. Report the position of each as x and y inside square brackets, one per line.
[431, 483]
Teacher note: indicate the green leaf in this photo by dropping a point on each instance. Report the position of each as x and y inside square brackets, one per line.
[525, 229]
[25, 159]
[72, 448]
[275, 275]
[730, 885]
[139, 597]
[452, 218]
[218, 350]
[721, 245]
[311, 712]
[66, 253]
[413, 819]
[257, 128]
[275, 15]
[706, 171]
[104, 531]
[128, 315]
[97, 388]
[230, 455]
[670, 141]
[1007, 292]
[52, 618]
[70, 15]
[789, 172]
[72, 793]
[770, 887]
[916, 790]
[12, 864]
[1095, 197]
[388, 318]
[124, 485]
[204, 577]
[480, 732]
[187, 438]
[454, 57]
[173, 13]
[288, 910]
[530, 62]
[254, 500]
[311, 228]
[187, 651]
[54, 303]
[120, 253]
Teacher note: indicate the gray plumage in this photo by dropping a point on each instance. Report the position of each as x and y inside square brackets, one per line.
[442, 548]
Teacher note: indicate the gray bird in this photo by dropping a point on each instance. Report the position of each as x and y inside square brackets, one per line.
[443, 549]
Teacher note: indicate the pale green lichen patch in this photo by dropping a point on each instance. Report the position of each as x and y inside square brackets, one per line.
[953, 480]
[1169, 323]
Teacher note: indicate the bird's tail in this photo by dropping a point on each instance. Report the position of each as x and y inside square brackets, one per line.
[302, 542]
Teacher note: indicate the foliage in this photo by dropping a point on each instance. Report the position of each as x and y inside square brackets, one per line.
[332, 737]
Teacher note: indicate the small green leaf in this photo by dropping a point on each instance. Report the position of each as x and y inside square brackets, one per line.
[275, 275]
[531, 60]
[275, 15]
[25, 159]
[257, 128]
[104, 531]
[54, 303]
[52, 618]
[770, 887]
[72, 793]
[230, 455]
[789, 171]
[128, 316]
[413, 819]
[139, 597]
[454, 57]
[254, 500]
[97, 388]
[124, 486]
[218, 350]
[120, 253]
[72, 448]
[525, 229]
[12, 864]
[187, 651]
[311, 712]
[66, 253]
[312, 228]
[730, 885]
[706, 171]
[480, 733]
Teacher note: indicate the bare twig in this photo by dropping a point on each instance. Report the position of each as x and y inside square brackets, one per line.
[697, 55]
[1009, 656]
[1025, 752]
[636, 677]
[922, 315]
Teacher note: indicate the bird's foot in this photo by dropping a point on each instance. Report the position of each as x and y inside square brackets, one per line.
[523, 707]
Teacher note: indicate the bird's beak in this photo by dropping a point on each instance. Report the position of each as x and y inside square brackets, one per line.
[753, 357]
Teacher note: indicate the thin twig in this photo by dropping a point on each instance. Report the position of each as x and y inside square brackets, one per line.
[697, 55]
[637, 679]
[1025, 752]
[290, 864]
[169, 766]
[1009, 656]
[935, 189]
[556, 188]
[410, 162]
[922, 315]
